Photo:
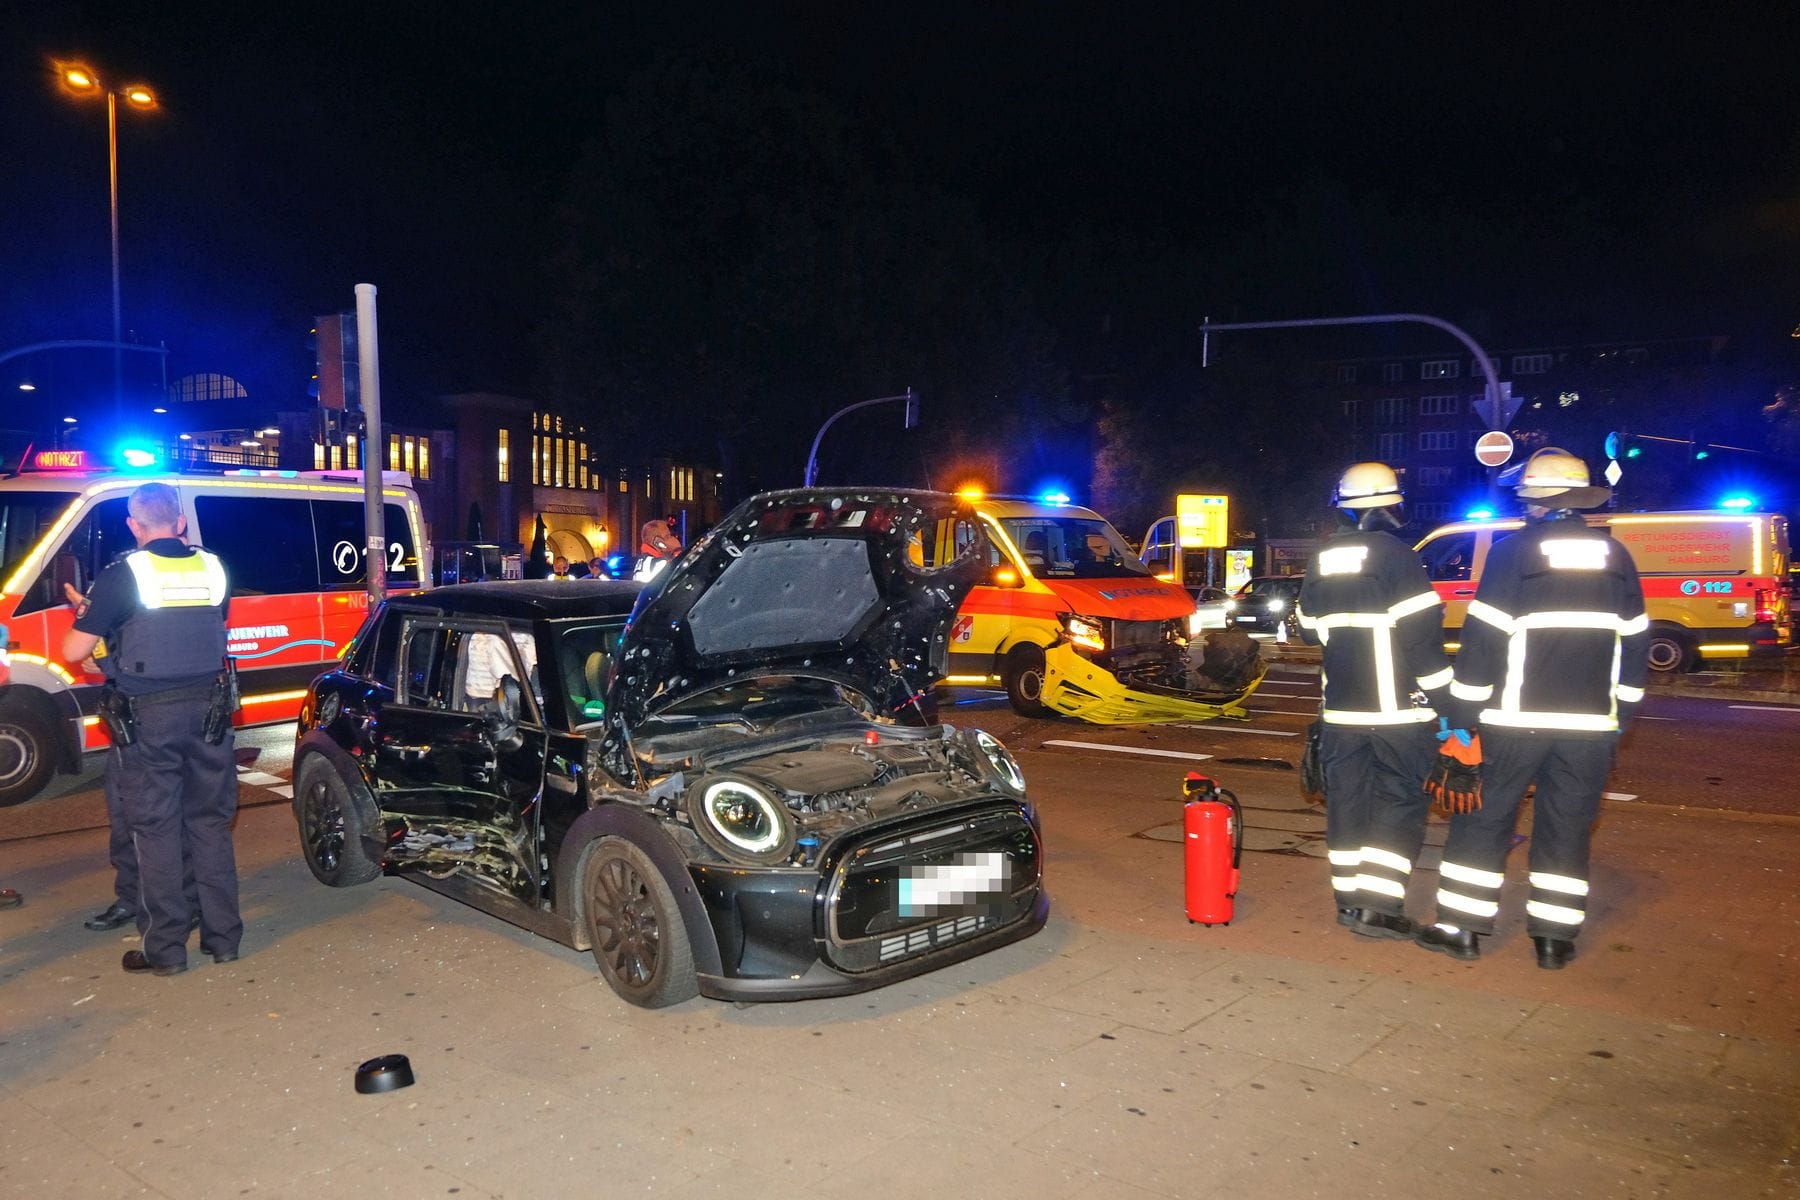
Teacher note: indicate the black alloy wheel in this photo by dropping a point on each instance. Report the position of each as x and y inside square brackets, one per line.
[330, 823]
[639, 941]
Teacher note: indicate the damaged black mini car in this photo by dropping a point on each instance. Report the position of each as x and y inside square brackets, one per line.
[733, 790]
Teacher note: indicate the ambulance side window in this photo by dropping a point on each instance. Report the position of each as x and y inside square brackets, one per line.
[96, 540]
[1159, 547]
[1449, 559]
[265, 542]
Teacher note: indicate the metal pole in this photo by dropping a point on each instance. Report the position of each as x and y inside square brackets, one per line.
[112, 170]
[812, 458]
[369, 379]
[1495, 420]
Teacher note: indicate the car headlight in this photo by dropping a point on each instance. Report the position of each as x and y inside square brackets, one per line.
[740, 820]
[1276, 604]
[1005, 766]
[1231, 606]
[1086, 632]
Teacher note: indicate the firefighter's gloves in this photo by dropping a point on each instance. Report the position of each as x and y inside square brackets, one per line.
[1454, 783]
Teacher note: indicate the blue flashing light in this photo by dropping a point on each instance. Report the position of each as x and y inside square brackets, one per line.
[1479, 514]
[1737, 502]
[138, 458]
[1058, 499]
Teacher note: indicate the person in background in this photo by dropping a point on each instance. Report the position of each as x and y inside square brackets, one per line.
[559, 567]
[1369, 604]
[161, 611]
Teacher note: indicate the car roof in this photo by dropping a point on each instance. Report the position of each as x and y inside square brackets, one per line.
[529, 599]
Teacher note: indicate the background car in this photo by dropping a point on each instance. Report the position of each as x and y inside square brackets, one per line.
[1212, 609]
[721, 783]
[1266, 603]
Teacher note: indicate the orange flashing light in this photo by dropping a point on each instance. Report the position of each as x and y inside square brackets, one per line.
[1005, 576]
[970, 491]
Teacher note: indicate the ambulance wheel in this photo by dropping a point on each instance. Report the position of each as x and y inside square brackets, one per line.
[1670, 650]
[1023, 675]
[28, 749]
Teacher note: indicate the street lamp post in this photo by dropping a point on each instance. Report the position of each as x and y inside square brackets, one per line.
[80, 81]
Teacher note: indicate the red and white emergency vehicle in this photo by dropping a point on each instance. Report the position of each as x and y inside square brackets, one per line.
[292, 542]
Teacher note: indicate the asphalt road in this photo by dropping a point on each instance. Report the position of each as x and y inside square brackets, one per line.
[1686, 750]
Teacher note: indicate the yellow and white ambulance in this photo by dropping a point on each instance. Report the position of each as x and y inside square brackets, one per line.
[1715, 581]
[1071, 621]
[293, 546]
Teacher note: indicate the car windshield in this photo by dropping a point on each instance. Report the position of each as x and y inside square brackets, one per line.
[24, 516]
[1281, 588]
[583, 655]
[758, 705]
[1072, 547]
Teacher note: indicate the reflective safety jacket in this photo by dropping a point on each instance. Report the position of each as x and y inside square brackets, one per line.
[1369, 603]
[1556, 637]
[177, 633]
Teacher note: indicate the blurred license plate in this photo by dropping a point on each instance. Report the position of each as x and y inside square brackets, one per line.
[971, 883]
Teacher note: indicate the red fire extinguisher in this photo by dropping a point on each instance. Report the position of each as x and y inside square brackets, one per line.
[1213, 838]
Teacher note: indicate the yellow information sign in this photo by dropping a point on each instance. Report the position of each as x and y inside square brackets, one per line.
[1200, 521]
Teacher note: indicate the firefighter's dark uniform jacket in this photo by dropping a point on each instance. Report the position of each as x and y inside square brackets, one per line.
[1369, 603]
[1553, 653]
[1555, 639]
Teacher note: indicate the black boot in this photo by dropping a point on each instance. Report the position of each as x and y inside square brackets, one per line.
[1372, 922]
[1553, 954]
[1464, 943]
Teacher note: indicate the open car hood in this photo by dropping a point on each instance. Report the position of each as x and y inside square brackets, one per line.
[820, 582]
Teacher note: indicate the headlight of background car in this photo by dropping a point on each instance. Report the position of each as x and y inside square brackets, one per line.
[1276, 604]
[1087, 632]
[1005, 767]
[740, 820]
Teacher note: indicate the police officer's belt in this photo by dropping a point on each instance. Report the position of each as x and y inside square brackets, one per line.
[192, 691]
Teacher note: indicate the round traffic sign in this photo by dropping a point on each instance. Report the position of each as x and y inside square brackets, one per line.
[1493, 448]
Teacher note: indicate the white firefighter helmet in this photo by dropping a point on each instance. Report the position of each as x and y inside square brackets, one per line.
[1554, 478]
[1367, 485]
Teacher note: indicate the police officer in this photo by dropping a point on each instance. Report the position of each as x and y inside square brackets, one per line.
[1554, 653]
[1368, 602]
[161, 609]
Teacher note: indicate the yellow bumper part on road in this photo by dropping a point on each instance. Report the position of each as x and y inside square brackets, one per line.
[1078, 688]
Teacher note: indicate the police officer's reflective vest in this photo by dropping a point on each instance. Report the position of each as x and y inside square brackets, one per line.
[1369, 603]
[178, 630]
[1556, 637]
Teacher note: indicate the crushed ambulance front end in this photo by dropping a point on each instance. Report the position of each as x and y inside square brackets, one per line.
[1071, 621]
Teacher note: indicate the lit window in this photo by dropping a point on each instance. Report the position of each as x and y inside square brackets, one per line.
[393, 452]
[424, 458]
[406, 454]
[319, 456]
[505, 454]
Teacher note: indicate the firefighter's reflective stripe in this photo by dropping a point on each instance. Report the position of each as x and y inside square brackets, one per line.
[1344, 866]
[1396, 716]
[1342, 560]
[1567, 885]
[1469, 891]
[1629, 694]
[1481, 610]
[1510, 713]
[1575, 554]
[196, 581]
[1413, 604]
[1437, 679]
[1471, 693]
[1389, 874]
[1556, 914]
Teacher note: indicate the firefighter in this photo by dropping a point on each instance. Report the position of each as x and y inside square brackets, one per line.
[1385, 678]
[1554, 653]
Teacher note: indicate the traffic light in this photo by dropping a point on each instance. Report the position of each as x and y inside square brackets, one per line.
[1700, 451]
[1620, 444]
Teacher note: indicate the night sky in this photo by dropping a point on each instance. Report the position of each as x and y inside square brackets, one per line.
[1619, 173]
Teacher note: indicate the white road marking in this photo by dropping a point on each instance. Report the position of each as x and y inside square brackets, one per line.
[258, 778]
[1647, 717]
[1280, 712]
[1618, 796]
[1221, 728]
[1267, 682]
[285, 791]
[1765, 708]
[1129, 750]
